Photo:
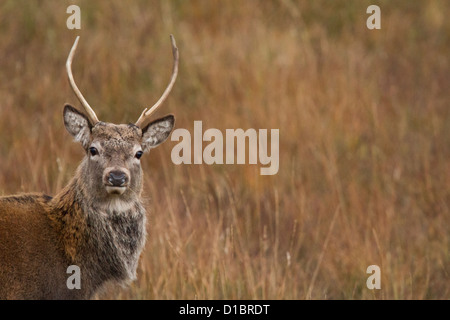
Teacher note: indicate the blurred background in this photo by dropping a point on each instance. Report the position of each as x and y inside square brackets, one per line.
[364, 122]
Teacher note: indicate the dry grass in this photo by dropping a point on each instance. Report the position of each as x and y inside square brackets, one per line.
[364, 138]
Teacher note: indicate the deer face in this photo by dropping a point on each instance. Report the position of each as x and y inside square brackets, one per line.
[113, 151]
[112, 166]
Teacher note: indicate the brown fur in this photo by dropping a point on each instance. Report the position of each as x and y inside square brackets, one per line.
[27, 236]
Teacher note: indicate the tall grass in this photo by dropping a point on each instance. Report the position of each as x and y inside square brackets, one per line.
[364, 138]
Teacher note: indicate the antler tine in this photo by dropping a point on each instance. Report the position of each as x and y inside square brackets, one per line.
[88, 110]
[148, 112]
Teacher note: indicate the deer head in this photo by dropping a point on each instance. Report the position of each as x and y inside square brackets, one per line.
[113, 152]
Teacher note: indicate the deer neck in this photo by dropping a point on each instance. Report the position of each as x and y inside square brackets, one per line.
[104, 237]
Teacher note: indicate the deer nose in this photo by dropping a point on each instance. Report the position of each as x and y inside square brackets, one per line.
[117, 178]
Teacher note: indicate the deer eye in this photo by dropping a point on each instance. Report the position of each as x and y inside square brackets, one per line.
[139, 154]
[93, 151]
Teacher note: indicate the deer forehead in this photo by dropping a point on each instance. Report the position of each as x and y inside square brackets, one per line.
[117, 137]
[127, 133]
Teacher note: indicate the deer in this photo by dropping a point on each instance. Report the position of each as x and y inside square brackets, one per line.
[97, 222]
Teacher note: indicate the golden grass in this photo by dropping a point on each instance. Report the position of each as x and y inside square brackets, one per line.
[364, 138]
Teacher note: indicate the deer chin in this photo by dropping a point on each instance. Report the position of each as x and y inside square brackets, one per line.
[115, 190]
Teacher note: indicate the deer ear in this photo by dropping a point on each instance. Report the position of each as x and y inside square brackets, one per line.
[78, 125]
[157, 132]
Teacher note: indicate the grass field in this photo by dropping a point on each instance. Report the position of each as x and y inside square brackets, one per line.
[364, 122]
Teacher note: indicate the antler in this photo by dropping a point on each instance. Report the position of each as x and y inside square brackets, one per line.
[88, 110]
[148, 112]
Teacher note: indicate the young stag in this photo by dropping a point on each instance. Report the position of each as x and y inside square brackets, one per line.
[97, 222]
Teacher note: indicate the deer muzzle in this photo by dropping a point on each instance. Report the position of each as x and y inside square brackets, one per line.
[116, 180]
